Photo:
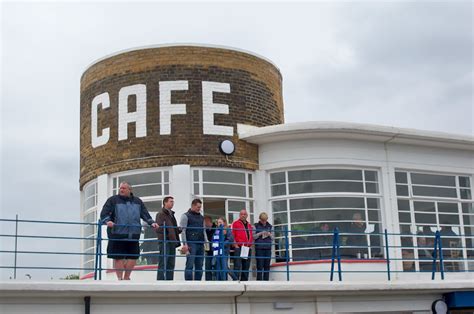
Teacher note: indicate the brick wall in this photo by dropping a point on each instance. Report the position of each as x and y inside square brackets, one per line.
[255, 98]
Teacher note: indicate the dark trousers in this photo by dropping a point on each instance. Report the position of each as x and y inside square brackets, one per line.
[208, 266]
[241, 266]
[194, 262]
[166, 263]
[263, 258]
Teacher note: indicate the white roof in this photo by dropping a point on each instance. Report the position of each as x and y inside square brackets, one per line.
[358, 131]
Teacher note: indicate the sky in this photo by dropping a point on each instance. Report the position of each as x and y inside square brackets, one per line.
[397, 63]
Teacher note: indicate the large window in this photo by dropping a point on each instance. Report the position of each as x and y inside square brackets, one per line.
[89, 229]
[429, 202]
[151, 186]
[312, 202]
[224, 192]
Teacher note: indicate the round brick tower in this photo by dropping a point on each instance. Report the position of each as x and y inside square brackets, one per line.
[169, 105]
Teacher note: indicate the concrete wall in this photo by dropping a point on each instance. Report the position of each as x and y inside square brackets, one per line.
[230, 297]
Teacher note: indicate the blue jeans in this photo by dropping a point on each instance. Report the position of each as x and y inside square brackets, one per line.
[222, 267]
[263, 257]
[241, 265]
[194, 261]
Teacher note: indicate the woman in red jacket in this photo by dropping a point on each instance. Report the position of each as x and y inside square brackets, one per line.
[242, 231]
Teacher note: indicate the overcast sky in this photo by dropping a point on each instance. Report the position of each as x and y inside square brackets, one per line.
[392, 63]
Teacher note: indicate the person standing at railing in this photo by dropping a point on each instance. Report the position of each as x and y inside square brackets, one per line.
[121, 213]
[208, 265]
[263, 236]
[193, 237]
[167, 246]
[243, 236]
[221, 244]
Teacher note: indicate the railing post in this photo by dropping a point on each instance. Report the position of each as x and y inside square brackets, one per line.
[387, 256]
[97, 247]
[99, 239]
[16, 246]
[287, 254]
[441, 261]
[335, 254]
[165, 255]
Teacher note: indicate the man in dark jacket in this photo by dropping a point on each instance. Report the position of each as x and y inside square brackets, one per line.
[167, 245]
[194, 237]
[122, 215]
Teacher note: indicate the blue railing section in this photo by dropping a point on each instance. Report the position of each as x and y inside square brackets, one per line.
[460, 255]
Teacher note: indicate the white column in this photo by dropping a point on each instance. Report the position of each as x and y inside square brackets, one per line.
[180, 189]
[261, 203]
[102, 196]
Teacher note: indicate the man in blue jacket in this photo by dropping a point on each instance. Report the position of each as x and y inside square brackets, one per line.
[121, 213]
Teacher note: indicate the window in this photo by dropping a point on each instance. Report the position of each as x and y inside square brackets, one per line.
[429, 202]
[312, 202]
[145, 184]
[89, 229]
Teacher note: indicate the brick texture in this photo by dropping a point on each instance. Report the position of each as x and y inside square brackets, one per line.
[255, 98]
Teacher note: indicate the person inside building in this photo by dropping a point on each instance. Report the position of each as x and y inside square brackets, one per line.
[208, 265]
[222, 241]
[194, 237]
[167, 244]
[243, 237]
[357, 240]
[121, 213]
[451, 244]
[263, 237]
[324, 241]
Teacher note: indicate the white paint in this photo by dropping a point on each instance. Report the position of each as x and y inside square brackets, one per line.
[166, 108]
[97, 140]
[209, 108]
[139, 116]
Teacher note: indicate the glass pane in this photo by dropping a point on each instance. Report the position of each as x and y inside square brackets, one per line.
[153, 206]
[374, 215]
[223, 176]
[196, 175]
[373, 203]
[280, 218]
[425, 218]
[324, 174]
[325, 215]
[167, 176]
[236, 206]
[404, 217]
[279, 206]
[216, 208]
[90, 217]
[250, 179]
[196, 188]
[327, 202]
[278, 177]
[402, 190]
[424, 206]
[304, 255]
[468, 220]
[467, 208]
[370, 175]
[405, 229]
[114, 184]
[464, 182]
[466, 194]
[434, 191]
[250, 192]
[432, 179]
[142, 178]
[167, 189]
[147, 190]
[90, 190]
[306, 228]
[321, 187]
[403, 205]
[401, 177]
[89, 203]
[224, 189]
[278, 190]
[445, 219]
[448, 207]
[371, 188]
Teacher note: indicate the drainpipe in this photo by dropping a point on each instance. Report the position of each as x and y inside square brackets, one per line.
[87, 305]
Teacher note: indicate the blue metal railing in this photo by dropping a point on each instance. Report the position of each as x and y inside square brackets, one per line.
[283, 254]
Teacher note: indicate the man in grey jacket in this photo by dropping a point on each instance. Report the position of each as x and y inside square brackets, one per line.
[121, 213]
